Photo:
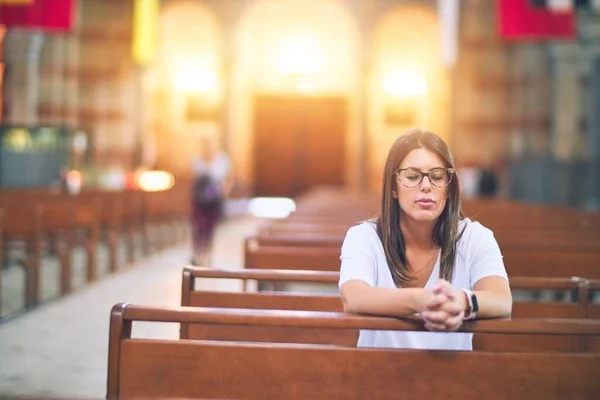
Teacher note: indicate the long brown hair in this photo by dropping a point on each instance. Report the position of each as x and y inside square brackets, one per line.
[445, 233]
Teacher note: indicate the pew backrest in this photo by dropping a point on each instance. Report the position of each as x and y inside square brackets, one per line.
[144, 368]
[521, 261]
[312, 302]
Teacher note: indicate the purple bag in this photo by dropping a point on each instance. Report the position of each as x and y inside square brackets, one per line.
[207, 192]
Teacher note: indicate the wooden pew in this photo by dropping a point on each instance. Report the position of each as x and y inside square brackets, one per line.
[23, 228]
[52, 227]
[594, 309]
[500, 214]
[109, 211]
[593, 312]
[145, 368]
[72, 222]
[321, 302]
[324, 205]
[274, 301]
[272, 236]
[322, 213]
[520, 260]
[535, 240]
[132, 211]
[165, 213]
[44, 222]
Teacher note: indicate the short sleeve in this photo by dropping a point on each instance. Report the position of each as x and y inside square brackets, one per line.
[226, 163]
[358, 257]
[223, 166]
[486, 258]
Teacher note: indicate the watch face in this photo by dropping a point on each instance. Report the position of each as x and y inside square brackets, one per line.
[474, 301]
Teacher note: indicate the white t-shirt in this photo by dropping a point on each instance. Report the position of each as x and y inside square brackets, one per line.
[218, 168]
[363, 257]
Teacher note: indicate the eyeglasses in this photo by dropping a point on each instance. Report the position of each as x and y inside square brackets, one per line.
[412, 177]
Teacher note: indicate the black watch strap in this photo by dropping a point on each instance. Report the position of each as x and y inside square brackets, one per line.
[474, 302]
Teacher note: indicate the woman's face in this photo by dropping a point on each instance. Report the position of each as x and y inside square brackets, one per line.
[425, 201]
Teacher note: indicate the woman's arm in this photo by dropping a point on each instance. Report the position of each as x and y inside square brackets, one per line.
[488, 276]
[493, 296]
[359, 297]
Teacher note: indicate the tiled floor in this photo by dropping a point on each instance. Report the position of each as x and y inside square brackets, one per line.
[60, 349]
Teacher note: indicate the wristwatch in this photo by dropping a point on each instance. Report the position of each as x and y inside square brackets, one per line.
[472, 304]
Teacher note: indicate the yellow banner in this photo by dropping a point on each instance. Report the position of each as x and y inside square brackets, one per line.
[145, 30]
[16, 2]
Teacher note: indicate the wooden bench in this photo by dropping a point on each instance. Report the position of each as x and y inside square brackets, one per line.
[325, 205]
[42, 223]
[50, 227]
[498, 214]
[321, 212]
[579, 308]
[332, 224]
[256, 300]
[272, 236]
[520, 260]
[536, 241]
[150, 368]
[24, 227]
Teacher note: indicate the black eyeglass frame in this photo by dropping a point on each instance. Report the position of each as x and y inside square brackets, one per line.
[449, 171]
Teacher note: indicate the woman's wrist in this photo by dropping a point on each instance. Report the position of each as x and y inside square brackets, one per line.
[419, 299]
[466, 302]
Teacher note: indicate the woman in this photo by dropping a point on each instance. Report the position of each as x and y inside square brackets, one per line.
[420, 256]
[212, 183]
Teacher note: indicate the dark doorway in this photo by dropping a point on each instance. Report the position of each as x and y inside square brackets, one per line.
[299, 143]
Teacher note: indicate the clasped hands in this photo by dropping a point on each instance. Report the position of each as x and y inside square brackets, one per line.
[444, 307]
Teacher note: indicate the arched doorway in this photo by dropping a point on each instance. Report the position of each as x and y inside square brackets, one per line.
[295, 88]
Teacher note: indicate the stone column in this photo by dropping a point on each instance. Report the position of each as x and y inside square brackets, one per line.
[589, 29]
[592, 200]
[362, 178]
[567, 148]
[106, 85]
[22, 50]
[59, 62]
[229, 14]
[2, 38]
[52, 80]
[567, 101]
[529, 106]
[71, 82]
[483, 84]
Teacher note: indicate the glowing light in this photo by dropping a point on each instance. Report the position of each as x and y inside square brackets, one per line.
[18, 140]
[155, 181]
[404, 83]
[195, 80]
[80, 142]
[271, 207]
[300, 56]
[74, 181]
[145, 30]
[305, 85]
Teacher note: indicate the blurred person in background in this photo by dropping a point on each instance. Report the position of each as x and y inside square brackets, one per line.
[488, 183]
[212, 182]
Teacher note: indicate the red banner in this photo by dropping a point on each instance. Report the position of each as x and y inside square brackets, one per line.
[518, 20]
[48, 15]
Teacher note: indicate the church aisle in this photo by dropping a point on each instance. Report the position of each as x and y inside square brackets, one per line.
[60, 349]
